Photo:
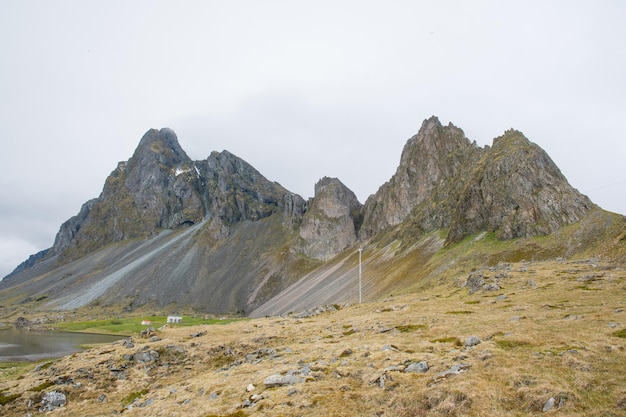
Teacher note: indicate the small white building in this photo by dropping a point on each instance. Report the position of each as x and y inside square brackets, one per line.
[174, 319]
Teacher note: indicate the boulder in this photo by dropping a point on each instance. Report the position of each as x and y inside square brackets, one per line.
[417, 367]
[52, 400]
[278, 380]
[472, 341]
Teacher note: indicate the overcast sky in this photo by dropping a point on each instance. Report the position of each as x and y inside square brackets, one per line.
[299, 89]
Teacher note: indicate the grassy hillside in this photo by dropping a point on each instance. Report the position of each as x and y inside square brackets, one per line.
[403, 260]
[550, 335]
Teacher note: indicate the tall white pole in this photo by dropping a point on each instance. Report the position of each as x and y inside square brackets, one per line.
[360, 250]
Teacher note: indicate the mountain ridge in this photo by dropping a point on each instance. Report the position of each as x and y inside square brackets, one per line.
[232, 240]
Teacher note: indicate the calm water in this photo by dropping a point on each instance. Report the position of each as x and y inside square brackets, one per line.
[22, 345]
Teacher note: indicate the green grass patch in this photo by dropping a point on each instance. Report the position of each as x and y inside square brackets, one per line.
[5, 399]
[130, 325]
[128, 400]
[42, 386]
[587, 288]
[511, 344]
[46, 365]
[408, 328]
[620, 333]
[13, 370]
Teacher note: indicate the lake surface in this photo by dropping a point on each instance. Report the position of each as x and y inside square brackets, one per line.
[23, 345]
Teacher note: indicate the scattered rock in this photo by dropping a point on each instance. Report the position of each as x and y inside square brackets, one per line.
[345, 353]
[417, 367]
[252, 400]
[390, 347]
[472, 341]
[147, 332]
[381, 380]
[256, 356]
[485, 355]
[395, 368]
[454, 370]
[491, 287]
[64, 380]
[315, 311]
[143, 356]
[278, 380]
[146, 403]
[549, 405]
[52, 400]
[590, 278]
[475, 281]
[21, 323]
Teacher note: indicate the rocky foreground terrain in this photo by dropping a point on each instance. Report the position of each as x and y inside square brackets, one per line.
[513, 339]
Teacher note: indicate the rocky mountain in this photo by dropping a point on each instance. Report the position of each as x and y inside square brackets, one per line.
[445, 182]
[516, 190]
[217, 236]
[427, 183]
[160, 187]
[331, 221]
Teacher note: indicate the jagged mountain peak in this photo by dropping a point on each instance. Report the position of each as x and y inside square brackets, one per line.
[431, 164]
[157, 140]
[516, 190]
[215, 234]
[161, 145]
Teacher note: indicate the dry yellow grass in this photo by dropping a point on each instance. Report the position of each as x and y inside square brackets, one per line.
[554, 332]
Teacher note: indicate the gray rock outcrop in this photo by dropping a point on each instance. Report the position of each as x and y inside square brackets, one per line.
[53, 400]
[331, 221]
[427, 183]
[444, 181]
[160, 187]
[515, 190]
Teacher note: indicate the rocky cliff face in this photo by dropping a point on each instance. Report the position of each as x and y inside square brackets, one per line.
[160, 187]
[427, 182]
[234, 191]
[515, 190]
[331, 222]
[445, 182]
